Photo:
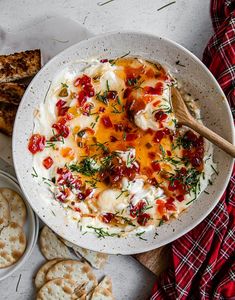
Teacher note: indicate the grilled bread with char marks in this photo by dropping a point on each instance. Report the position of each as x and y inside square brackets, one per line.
[19, 65]
[11, 92]
[10, 96]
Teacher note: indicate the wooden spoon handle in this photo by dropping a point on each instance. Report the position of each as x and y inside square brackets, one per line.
[212, 136]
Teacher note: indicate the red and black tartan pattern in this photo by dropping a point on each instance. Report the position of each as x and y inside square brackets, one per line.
[202, 262]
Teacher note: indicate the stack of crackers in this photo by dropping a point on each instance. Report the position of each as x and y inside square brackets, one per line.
[16, 70]
[63, 277]
[13, 214]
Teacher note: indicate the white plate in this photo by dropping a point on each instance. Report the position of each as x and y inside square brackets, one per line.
[30, 228]
[198, 81]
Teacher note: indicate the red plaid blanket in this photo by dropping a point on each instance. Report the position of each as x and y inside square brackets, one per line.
[203, 261]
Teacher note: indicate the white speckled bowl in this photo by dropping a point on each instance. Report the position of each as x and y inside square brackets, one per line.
[198, 81]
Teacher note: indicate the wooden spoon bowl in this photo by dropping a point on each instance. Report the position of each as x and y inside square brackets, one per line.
[185, 118]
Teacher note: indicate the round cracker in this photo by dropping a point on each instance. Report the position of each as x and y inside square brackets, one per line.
[82, 297]
[51, 247]
[4, 212]
[59, 289]
[18, 211]
[75, 270]
[101, 293]
[106, 283]
[12, 244]
[40, 278]
[95, 259]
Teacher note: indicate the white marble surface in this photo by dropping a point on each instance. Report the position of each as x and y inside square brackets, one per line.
[186, 22]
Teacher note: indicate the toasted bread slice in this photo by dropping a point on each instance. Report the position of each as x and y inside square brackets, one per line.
[7, 117]
[19, 65]
[11, 92]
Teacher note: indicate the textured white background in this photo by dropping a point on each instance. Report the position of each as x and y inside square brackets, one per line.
[186, 22]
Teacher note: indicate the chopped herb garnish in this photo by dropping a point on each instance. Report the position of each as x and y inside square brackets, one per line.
[161, 222]
[18, 282]
[119, 100]
[113, 61]
[101, 233]
[64, 85]
[208, 158]
[50, 144]
[103, 3]
[155, 235]
[206, 193]
[126, 220]
[34, 174]
[138, 85]
[164, 6]
[179, 64]
[56, 138]
[132, 81]
[47, 91]
[93, 182]
[107, 85]
[190, 201]
[86, 167]
[141, 238]
[165, 108]
[102, 98]
[146, 208]
[173, 160]
[122, 192]
[139, 234]
[101, 146]
[81, 133]
[184, 142]
[162, 150]
[92, 125]
[210, 182]
[129, 160]
[124, 55]
[115, 110]
[47, 180]
[216, 172]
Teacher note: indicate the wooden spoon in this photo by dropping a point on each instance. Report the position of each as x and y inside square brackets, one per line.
[185, 118]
